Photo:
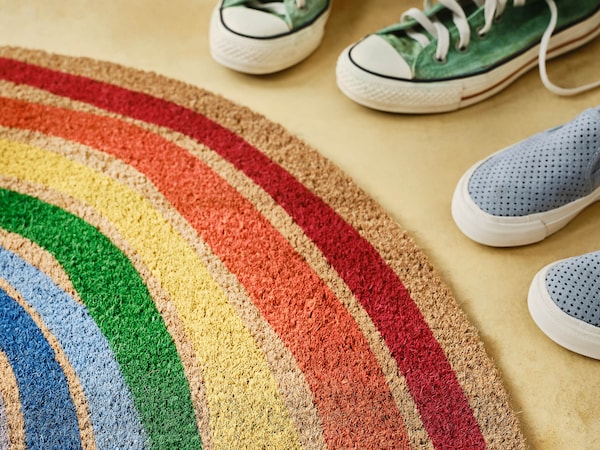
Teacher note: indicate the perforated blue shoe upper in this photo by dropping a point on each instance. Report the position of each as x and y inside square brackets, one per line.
[574, 286]
[543, 172]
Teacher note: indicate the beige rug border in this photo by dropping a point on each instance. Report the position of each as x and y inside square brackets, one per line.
[460, 341]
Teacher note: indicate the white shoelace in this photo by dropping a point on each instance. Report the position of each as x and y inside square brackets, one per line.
[544, 44]
[492, 10]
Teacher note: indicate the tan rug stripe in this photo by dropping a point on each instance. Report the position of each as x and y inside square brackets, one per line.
[40, 258]
[9, 390]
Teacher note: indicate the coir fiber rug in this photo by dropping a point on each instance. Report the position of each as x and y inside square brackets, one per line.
[178, 272]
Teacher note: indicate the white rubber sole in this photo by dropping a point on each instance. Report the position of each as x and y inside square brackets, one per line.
[568, 332]
[405, 96]
[498, 231]
[263, 56]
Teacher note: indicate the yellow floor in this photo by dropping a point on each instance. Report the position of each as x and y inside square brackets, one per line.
[410, 164]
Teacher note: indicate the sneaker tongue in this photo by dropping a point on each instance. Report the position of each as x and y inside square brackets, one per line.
[470, 6]
[410, 48]
[439, 11]
[286, 10]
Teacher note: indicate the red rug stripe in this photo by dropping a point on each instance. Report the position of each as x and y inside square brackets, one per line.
[444, 409]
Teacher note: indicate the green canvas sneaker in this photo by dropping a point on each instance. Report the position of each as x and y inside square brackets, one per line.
[266, 36]
[459, 52]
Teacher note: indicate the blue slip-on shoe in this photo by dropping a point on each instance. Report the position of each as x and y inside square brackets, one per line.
[526, 192]
[455, 53]
[266, 36]
[564, 302]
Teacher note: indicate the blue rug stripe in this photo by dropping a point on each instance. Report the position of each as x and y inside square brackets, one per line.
[114, 417]
[48, 410]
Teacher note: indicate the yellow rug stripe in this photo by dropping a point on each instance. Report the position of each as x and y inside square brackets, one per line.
[219, 337]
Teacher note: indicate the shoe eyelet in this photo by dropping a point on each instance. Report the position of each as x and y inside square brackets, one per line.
[440, 60]
[481, 35]
[460, 49]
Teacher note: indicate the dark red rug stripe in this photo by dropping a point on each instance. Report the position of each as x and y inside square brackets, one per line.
[444, 409]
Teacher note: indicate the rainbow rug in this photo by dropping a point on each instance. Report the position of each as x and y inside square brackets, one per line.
[176, 271]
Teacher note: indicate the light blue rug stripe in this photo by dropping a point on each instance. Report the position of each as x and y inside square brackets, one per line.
[4, 438]
[48, 410]
[112, 412]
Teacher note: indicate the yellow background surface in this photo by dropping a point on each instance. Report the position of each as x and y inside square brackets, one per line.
[409, 164]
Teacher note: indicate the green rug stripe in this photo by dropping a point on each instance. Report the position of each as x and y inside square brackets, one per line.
[119, 302]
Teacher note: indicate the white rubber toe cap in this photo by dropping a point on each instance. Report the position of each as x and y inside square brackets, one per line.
[253, 23]
[377, 56]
